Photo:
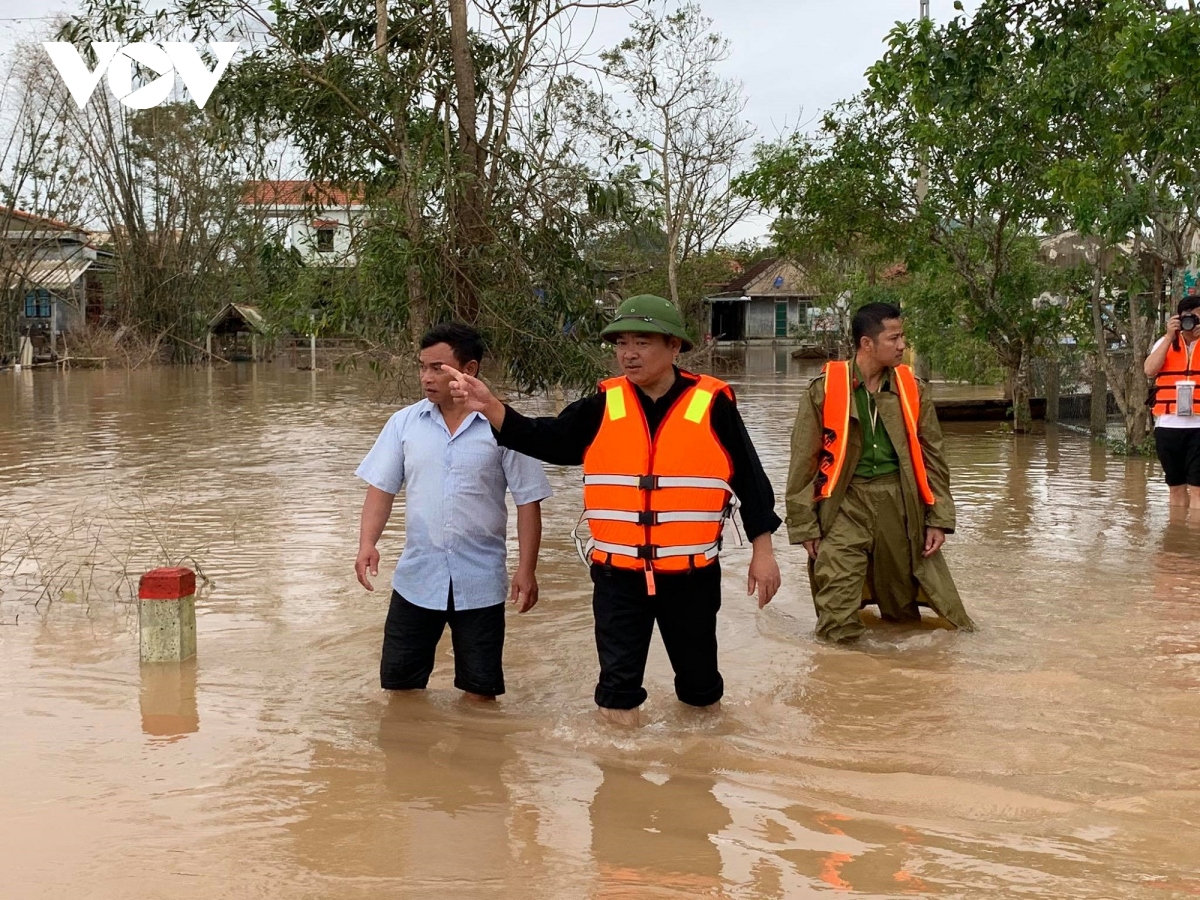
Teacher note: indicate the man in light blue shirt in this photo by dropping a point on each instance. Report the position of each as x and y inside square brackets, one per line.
[452, 570]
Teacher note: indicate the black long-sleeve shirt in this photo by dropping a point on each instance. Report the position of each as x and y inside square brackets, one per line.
[563, 440]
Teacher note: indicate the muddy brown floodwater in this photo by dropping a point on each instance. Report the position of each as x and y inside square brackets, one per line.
[1054, 754]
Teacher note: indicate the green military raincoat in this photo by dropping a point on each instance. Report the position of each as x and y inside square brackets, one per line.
[807, 519]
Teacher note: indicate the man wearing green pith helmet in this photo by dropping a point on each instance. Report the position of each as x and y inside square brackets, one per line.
[666, 459]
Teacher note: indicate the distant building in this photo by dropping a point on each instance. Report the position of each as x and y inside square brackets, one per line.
[318, 219]
[769, 301]
[53, 268]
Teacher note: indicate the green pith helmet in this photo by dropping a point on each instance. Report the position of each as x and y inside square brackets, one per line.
[648, 313]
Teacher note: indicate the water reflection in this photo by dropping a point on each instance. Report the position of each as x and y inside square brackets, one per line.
[1177, 564]
[424, 804]
[880, 865]
[167, 700]
[763, 360]
[653, 834]
[1049, 755]
[445, 783]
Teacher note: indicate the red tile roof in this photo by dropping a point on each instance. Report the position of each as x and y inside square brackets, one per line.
[8, 213]
[300, 193]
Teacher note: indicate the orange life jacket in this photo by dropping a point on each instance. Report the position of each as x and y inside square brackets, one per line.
[835, 434]
[1178, 366]
[658, 504]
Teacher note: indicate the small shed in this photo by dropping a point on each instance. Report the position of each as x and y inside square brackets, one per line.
[237, 332]
[770, 301]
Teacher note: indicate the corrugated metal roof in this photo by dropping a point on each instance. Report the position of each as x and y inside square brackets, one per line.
[48, 273]
[249, 313]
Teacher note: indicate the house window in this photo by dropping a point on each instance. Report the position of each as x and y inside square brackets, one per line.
[37, 304]
[324, 240]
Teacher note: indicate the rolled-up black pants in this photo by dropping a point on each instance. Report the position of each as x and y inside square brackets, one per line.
[410, 638]
[684, 606]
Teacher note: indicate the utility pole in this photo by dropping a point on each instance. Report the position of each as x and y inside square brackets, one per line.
[923, 178]
[919, 363]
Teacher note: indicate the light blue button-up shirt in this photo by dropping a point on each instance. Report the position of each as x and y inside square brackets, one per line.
[455, 516]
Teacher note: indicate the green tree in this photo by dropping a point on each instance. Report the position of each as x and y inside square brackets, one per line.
[443, 118]
[680, 122]
[1123, 98]
[941, 163]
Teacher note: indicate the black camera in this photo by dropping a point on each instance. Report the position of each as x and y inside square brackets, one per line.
[1188, 321]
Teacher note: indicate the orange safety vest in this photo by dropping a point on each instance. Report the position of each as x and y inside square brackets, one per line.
[1178, 366]
[836, 430]
[656, 504]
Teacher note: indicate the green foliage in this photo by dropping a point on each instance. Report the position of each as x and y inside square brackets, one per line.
[1123, 98]
[1144, 448]
[489, 227]
[942, 164]
[680, 129]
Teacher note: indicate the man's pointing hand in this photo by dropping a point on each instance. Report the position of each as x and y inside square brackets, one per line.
[474, 394]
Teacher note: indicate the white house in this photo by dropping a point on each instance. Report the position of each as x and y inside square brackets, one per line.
[317, 219]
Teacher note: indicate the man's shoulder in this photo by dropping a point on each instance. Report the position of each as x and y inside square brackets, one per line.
[423, 405]
[406, 414]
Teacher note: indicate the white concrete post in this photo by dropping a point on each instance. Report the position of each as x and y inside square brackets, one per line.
[167, 614]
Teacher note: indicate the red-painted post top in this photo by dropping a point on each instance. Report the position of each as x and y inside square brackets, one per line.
[167, 584]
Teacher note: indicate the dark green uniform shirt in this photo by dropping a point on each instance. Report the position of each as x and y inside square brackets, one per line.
[879, 454]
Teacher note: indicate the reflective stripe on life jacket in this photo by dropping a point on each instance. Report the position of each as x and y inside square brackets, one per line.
[657, 505]
[835, 432]
[1180, 365]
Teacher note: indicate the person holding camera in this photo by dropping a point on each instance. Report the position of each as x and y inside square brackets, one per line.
[1174, 364]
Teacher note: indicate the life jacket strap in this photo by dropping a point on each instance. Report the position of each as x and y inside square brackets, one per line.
[652, 552]
[655, 482]
[653, 517]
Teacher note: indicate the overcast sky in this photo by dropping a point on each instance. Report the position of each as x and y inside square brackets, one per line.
[795, 58]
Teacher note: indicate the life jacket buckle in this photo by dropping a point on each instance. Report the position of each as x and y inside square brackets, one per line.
[646, 517]
[647, 482]
[648, 552]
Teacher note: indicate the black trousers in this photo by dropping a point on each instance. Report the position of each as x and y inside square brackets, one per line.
[1179, 452]
[684, 606]
[410, 638]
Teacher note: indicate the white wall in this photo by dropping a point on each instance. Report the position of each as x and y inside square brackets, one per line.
[295, 227]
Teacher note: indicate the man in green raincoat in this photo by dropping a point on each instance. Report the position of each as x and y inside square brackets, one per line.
[872, 514]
